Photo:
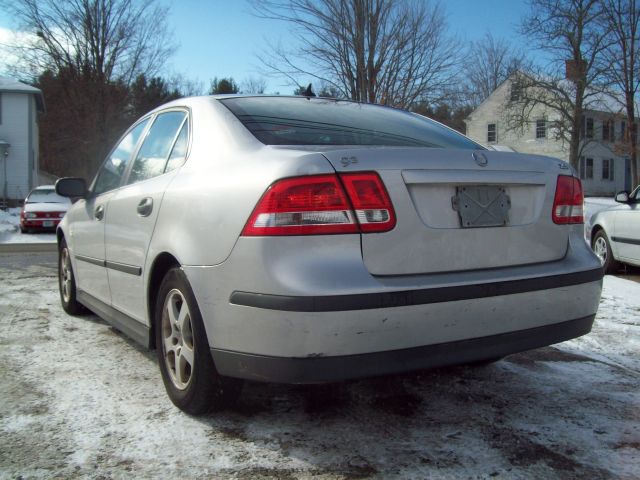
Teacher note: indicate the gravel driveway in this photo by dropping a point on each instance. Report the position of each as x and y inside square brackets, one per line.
[77, 399]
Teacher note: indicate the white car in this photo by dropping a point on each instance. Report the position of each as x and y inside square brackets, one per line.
[615, 232]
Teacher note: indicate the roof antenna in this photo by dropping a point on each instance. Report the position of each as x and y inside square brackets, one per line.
[309, 92]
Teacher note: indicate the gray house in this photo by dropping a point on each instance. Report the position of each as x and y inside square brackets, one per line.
[19, 107]
[603, 170]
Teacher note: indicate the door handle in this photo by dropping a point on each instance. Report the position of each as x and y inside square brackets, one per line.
[98, 213]
[145, 207]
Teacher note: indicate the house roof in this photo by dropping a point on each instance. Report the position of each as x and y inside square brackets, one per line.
[10, 85]
[598, 102]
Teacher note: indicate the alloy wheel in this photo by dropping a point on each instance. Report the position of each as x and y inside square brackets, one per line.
[177, 339]
[600, 249]
[65, 275]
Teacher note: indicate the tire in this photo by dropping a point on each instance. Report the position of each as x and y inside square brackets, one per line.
[602, 248]
[67, 282]
[186, 365]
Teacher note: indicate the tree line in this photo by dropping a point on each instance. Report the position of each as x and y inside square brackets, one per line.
[100, 63]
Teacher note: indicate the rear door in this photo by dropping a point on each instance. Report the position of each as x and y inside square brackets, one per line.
[133, 210]
[438, 196]
[87, 217]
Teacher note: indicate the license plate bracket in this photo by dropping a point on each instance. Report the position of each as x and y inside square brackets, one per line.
[482, 205]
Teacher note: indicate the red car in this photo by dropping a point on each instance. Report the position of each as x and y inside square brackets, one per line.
[43, 209]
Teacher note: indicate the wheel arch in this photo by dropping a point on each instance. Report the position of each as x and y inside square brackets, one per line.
[161, 265]
[59, 236]
[594, 231]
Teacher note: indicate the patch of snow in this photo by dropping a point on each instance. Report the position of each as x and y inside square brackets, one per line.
[80, 400]
[10, 229]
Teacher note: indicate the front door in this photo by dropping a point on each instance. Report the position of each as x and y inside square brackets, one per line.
[86, 228]
[627, 228]
[87, 219]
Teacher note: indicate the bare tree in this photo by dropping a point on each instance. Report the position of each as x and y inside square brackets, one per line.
[85, 56]
[571, 33]
[254, 85]
[490, 61]
[622, 18]
[101, 39]
[393, 52]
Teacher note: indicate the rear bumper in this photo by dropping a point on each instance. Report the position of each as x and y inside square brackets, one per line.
[338, 303]
[38, 224]
[344, 367]
[276, 302]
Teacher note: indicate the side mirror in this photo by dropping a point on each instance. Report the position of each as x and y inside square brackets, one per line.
[622, 197]
[71, 187]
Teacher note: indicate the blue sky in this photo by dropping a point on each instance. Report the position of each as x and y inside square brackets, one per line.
[222, 38]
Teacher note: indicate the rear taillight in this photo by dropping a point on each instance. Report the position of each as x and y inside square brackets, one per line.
[568, 204]
[321, 205]
[370, 201]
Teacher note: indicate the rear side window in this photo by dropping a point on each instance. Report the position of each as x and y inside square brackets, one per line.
[152, 157]
[179, 152]
[110, 175]
[302, 121]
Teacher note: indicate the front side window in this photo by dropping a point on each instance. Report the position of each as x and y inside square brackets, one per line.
[302, 121]
[154, 152]
[110, 175]
[541, 129]
[492, 137]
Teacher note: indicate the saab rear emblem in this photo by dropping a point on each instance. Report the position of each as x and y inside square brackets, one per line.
[480, 159]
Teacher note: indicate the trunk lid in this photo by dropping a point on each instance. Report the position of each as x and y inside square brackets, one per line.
[460, 209]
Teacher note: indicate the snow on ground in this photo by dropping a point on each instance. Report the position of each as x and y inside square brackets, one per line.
[10, 229]
[77, 399]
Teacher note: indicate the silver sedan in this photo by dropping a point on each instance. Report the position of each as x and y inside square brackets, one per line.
[305, 240]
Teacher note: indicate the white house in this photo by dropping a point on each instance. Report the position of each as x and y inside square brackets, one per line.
[19, 107]
[602, 169]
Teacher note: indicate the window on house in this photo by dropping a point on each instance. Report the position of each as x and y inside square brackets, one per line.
[516, 92]
[607, 169]
[607, 131]
[582, 126]
[623, 130]
[586, 168]
[541, 128]
[492, 136]
[589, 127]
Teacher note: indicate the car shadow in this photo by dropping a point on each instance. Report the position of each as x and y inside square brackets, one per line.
[520, 411]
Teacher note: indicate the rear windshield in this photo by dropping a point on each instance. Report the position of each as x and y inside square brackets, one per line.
[302, 121]
[46, 196]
